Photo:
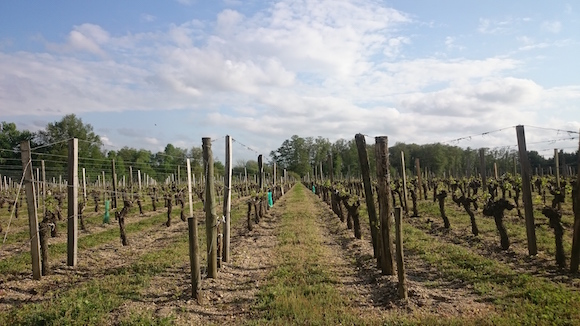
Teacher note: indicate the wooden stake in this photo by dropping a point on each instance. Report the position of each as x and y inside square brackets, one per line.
[260, 172]
[365, 170]
[527, 190]
[228, 200]
[31, 204]
[404, 174]
[43, 188]
[482, 169]
[193, 243]
[73, 201]
[384, 182]
[575, 257]
[402, 288]
[210, 210]
[418, 172]
[84, 186]
[114, 174]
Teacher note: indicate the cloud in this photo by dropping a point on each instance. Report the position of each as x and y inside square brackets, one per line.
[147, 18]
[186, 2]
[151, 140]
[307, 67]
[552, 26]
[84, 38]
[487, 98]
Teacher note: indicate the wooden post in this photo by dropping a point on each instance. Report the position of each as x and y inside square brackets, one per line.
[384, 182]
[495, 170]
[193, 243]
[43, 188]
[73, 201]
[274, 175]
[260, 172]
[139, 179]
[114, 174]
[575, 257]
[557, 161]
[527, 190]
[210, 209]
[228, 199]
[365, 170]
[482, 169]
[84, 186]
[418, 172]
[131, 182]
[402, 288]
[404, 174]
[31, 205]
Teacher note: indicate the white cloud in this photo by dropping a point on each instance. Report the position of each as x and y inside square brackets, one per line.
[148, 18]
[552, 26]
[85, 38]
[151, 140]
[297, 67]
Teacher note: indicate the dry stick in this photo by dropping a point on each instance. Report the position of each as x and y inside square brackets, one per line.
[402, 288]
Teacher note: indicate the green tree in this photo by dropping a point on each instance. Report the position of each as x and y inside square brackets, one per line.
[10, 139]
[54, 142]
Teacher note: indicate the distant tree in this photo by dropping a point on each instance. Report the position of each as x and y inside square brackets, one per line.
[10, 139]
[54, 140]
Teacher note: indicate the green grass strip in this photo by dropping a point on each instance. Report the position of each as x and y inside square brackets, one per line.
[521, 297]
[301, 290]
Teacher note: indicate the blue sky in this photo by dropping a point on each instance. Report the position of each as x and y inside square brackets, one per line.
[149, 73]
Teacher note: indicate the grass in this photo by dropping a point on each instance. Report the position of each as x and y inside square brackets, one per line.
[520, 297]
[92, 302]
[302, 290]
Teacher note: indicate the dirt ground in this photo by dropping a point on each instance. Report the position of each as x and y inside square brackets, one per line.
[229, 299]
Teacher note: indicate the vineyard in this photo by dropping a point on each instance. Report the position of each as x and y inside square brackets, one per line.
[384, 245]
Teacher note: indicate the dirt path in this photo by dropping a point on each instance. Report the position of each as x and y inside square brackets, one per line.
[227, 299]
[375, 294]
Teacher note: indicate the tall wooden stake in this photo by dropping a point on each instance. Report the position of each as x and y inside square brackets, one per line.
[527, 190]
[193, 242]
[384, 186]
[418, 172]
[363, 158]
[43, 188]
[261, 172]
[404, 174]
[482, 169]
[84, 186]
[227, 199]
[210, 209]
[402, 289]
[73, 201]
[114, 174]
[575, 257]
[31, 204]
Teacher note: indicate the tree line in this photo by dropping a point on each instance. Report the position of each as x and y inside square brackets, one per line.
[306, 156]
[50, 144]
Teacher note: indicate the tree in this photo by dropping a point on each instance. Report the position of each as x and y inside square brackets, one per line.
[10, 138]
[55, 141]
[293, 155]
